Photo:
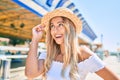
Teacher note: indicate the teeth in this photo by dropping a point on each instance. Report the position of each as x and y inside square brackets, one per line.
[58, 35]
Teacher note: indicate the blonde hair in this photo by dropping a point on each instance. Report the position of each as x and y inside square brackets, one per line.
[70, 57]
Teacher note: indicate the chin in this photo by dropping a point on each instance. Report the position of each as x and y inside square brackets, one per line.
[59, 42]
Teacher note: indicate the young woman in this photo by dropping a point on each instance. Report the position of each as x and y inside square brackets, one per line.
[65, 58]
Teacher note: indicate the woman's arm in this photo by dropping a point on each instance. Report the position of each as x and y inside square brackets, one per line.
[107, 74]
[34, 67]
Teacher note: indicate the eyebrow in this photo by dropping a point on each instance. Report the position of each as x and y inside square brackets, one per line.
[58, 22]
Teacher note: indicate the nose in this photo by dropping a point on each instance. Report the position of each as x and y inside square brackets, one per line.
[55, 29]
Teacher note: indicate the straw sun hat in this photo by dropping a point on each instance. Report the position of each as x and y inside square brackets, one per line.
[64, 12]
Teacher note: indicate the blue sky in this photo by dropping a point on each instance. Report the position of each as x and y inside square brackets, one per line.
[103, 16]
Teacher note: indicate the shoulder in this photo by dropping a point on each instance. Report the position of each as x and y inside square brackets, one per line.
[85, 52]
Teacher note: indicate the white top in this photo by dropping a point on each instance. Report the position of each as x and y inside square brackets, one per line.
[92, 64]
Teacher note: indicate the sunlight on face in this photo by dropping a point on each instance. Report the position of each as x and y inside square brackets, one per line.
[57, 29]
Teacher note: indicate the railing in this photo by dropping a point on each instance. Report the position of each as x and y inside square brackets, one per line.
[5, 63]
[118, 56]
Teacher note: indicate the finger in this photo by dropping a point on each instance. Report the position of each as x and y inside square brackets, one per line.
[39, 27]
[42, 27]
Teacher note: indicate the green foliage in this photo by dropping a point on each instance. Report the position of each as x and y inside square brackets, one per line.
[15, 41]
[3, 43]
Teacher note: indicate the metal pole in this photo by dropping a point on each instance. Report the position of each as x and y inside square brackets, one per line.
[5, 69]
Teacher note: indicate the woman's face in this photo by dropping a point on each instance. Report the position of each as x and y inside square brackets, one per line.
[57, 29]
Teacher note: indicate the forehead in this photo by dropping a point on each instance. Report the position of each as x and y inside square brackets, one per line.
[56, 19]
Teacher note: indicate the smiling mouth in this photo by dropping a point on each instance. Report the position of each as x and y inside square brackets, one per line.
[58, 36]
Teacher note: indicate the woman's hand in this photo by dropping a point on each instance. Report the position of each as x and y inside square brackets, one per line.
[32, 58]
[37, 32]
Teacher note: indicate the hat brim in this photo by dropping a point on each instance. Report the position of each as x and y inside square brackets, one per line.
[64, 13]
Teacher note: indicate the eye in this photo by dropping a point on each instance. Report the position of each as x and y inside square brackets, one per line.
[51, 26]
[60, 24]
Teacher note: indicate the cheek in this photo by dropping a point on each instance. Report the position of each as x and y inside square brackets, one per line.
[51, 33]
[63, 30]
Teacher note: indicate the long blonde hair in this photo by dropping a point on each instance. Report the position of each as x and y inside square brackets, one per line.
[70, 57]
